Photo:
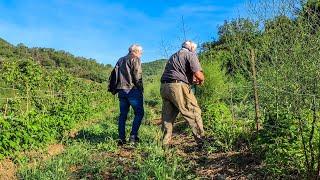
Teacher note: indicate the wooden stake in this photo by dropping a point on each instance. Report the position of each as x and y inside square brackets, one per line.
[255, 89]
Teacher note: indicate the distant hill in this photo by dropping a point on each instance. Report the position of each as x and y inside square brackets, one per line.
[153, 68]
[50, 58]
[77, 66]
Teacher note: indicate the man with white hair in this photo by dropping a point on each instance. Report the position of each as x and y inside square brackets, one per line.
[130, 92]
[182, 70]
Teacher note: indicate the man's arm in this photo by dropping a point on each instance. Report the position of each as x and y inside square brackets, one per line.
[198, 76]
[137, 74]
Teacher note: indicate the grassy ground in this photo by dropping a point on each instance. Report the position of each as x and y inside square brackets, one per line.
[91, 152]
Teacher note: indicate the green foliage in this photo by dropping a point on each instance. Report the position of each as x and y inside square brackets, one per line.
[238, 37]
[218, 111]
[46, 105]
[279, 144]
[56, 168]
[216, 85]
[52, 59]
[286, 50]
[225, 130]
[93, 153]
[151, 76]
[153, 68]
[287, 63]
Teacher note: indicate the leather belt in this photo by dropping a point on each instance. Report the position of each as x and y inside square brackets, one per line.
[172, 81]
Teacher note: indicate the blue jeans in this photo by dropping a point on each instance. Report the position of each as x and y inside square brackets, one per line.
[132, 98]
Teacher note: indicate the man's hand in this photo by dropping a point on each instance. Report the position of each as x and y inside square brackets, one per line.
[198, 78]
[196, 81]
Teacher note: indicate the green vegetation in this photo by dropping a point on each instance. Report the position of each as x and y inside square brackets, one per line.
[42, 105]
[93, 153]
[151, 76]
[52, 59]
[268, 97]
[44, 94]
[260, 104]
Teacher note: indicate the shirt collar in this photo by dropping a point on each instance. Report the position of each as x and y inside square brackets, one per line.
[185, 49]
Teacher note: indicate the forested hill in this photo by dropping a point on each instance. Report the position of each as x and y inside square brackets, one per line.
[78, 66]
[51, 59]
[154, 67]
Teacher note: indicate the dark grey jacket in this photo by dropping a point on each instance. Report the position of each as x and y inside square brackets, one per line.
[129, 73]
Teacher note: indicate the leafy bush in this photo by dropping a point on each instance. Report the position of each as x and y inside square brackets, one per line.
[45, 106]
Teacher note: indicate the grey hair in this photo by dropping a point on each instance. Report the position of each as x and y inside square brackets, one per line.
[189, 45]
[135, 48]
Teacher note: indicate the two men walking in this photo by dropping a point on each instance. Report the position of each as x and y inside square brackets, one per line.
[182, 70]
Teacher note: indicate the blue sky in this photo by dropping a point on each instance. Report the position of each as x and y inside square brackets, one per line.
[104, 29]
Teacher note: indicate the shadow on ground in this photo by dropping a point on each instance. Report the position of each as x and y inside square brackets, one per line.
[97, 136]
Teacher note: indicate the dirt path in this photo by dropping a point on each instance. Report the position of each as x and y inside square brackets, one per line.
[217, 165]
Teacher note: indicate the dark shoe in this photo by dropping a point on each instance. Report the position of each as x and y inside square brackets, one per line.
[200, 146]
[201, 142]
[121, 142]
[134, 140]
[167, 146]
